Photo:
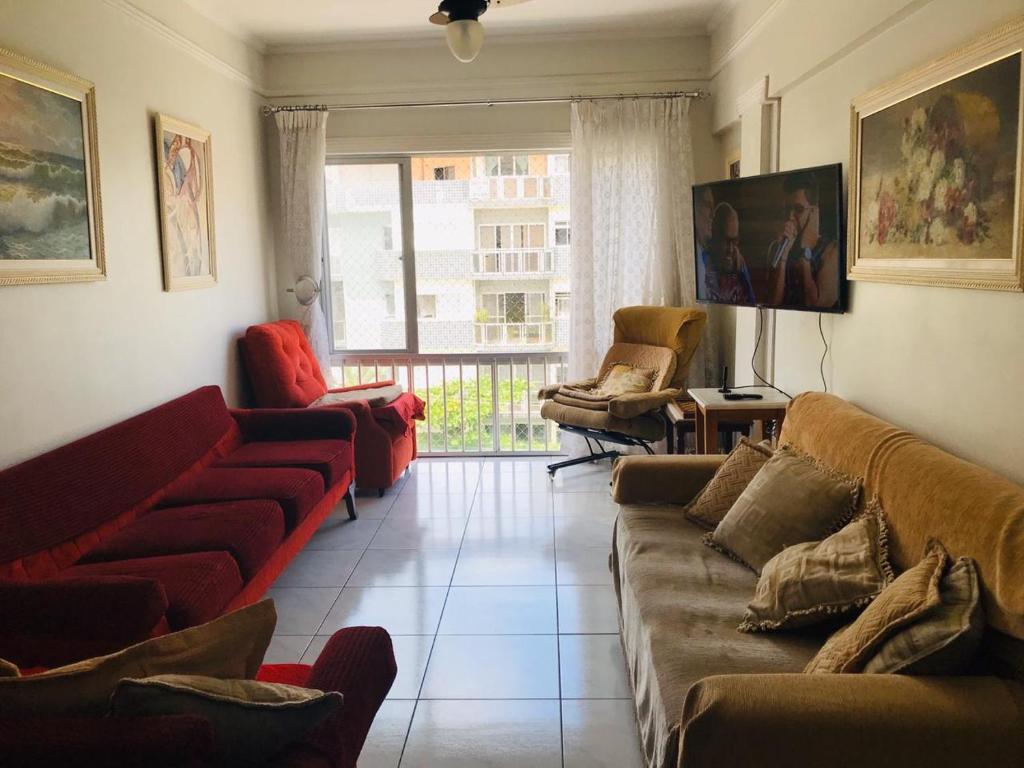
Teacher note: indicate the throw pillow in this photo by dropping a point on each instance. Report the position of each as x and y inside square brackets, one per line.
[808, 583]
[718, 496]
[912, 594]
[251, 720]
[944, 640]
[792, 499]
[231, 646]
[623, 378]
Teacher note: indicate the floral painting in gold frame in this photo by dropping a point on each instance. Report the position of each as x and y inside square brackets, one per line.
[935, 172]
[51, 227]
[184, 156]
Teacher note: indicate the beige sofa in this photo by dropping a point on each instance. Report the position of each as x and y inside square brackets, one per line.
[709, 695]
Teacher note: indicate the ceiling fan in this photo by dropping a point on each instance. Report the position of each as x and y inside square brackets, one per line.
[461, 20]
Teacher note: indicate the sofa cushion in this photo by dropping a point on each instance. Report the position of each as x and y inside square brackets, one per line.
[249, 531]
[731, 479]
[199, 586]
[679, 605]
[296, 490]
[281, 365]
[331, 458]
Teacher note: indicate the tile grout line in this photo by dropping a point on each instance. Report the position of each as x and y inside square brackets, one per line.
[558, 635]
[433, 643]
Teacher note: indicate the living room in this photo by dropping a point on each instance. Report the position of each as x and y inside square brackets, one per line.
[461, 208]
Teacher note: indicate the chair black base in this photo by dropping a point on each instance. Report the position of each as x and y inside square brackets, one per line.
[598, 436]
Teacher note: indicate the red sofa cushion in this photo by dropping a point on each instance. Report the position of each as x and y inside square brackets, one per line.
[171, 741]
[281, 365]
[397, 416]
[199, 585]
[331, 458]
[296, 490]
[249, 531]
[58, 621]
[76, 488]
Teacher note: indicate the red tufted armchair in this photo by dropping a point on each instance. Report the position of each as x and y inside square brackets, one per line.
[285, 374]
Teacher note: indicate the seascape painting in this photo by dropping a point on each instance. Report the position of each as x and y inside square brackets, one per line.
[936, 171]
[186, 204]
[49, 218]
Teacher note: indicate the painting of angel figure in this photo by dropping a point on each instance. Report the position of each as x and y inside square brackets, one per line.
[935, 180]
[184, 162]
[50, 223]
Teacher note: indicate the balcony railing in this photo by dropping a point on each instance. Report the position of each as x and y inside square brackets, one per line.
[475, 404]
[514, 334]
[511, 189]
[513, 262]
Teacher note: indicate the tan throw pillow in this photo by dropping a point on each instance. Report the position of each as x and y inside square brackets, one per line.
[623, 378]
[913, 593]
[231, 646]
[944, 640]
[251, 720]
[736, 472]
[808, 583]
[792, 499]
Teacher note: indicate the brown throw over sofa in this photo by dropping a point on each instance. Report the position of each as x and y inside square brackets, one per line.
[709, 695]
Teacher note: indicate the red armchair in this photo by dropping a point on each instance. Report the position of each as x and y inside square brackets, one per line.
[284, 373]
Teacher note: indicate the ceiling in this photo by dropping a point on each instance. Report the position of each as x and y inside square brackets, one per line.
[297, 22]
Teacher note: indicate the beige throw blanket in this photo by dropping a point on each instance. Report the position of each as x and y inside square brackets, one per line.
[376, 397]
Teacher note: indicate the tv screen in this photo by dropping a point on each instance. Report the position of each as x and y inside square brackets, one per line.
[772, 241]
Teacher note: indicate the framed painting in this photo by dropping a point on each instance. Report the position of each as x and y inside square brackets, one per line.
[51, 227]
[935, 172]
[184, 156]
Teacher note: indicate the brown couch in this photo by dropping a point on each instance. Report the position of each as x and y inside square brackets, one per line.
[709, 695]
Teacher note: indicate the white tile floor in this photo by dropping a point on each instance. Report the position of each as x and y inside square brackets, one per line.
[493, 582]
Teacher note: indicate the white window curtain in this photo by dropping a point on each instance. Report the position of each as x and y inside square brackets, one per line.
[632, 217]
[303, 141]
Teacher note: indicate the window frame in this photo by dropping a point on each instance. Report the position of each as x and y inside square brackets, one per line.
[408, 257]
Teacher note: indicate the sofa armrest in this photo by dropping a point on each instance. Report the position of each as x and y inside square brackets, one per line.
[363, 387]
[634, 404]
[273, 424]
[852, 720]
[164, 741]
[662, 479]
[57, 621]
[359, 663]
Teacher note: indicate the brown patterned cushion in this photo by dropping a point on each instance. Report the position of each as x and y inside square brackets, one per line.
[811, 582]
[792, 499]
[910, 596]
[944, 640]
[718, 496]
[623, 378]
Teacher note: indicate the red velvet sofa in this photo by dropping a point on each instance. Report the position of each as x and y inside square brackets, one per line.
[284, 373]
[161, 522]
[358, 662]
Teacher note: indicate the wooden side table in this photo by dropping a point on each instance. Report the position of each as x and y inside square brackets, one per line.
[681, 420]
[712, 409]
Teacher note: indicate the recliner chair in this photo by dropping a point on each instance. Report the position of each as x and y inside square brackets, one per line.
[659, 340]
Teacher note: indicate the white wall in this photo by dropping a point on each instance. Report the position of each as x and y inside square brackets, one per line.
[78, 357]
[944, 363]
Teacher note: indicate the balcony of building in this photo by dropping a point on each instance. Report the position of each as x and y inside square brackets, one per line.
[499, 335]
[502, 191]
[495, 264]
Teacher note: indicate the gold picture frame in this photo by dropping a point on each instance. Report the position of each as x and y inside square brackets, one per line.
[52, 227]
[184, 163]
[936, 171]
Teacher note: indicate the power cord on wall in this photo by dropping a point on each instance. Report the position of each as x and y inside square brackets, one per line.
[753, 355]
[821, 365]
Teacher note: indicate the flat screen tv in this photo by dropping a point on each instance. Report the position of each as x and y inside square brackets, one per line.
[772, 241]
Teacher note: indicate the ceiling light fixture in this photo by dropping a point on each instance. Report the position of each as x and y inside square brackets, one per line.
[461, 20]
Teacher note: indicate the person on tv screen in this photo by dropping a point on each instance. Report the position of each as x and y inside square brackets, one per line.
[703, 211]
[803, 263]
[727, 278]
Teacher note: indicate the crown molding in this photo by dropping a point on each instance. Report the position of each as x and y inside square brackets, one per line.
[175, 38]
[229, 25]
[744, 41]
[440, 144]
[754, 96]
[510, 38]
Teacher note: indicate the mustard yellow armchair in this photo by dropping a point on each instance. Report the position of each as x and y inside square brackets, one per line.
[658, 341]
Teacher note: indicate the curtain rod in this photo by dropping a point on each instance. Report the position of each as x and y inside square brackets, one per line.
[269, 110]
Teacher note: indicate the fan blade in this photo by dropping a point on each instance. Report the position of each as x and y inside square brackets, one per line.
[439, 18]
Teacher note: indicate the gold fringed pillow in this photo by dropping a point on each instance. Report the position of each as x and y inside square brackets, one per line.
[624, 378]
[792, 499]
[718, 496]
[910, 596]
[815, 581]
[944, 640]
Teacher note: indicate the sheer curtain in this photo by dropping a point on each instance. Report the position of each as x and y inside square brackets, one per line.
[303, 142]
[632, 220]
